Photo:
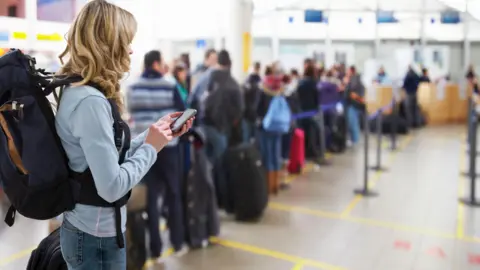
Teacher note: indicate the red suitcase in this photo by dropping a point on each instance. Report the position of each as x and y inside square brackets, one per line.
[297, 152]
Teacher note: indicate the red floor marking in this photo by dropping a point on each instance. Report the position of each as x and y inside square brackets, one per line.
[436, 252]
[474, 259]
[402, 245]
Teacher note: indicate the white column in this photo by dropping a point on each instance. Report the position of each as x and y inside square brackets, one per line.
[238, 38]
[275, 37]
[218, 41]
[466, 41]
[166, 49]
[377, 35]
[423, 30]
[329, 53]
[31, 17]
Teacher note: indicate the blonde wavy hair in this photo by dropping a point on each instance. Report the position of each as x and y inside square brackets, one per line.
[98, 47]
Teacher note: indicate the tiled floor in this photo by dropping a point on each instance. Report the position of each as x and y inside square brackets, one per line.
[414, 224]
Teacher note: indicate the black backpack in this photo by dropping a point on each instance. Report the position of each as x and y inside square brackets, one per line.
[48, 254]
[34, 170]
[223, 104]
[251, 95]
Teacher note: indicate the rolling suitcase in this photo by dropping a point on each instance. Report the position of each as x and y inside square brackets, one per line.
[201, 211]
[247, 183]
[136, 228]
[297, 152]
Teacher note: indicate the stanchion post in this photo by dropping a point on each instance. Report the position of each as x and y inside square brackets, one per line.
[365, 191]
[379, 120]
[471, 111]
[472, 170]
[472, 119]
[323, 145]
[394, 126]
[469, 118]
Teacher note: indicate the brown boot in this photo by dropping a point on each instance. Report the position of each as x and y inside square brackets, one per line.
[276, 182]
[270, 181]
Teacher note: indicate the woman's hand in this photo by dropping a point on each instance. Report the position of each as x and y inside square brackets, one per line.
[159, 135]
[169, 118]
[186, 127]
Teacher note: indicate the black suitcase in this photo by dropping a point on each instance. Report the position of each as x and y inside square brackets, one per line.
[335, 132]
[247, 183]
[48, 254]
[201, 211]
[136, 243]
[387, 124]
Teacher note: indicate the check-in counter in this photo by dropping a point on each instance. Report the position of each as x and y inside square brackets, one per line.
[459, 108]
[442, 104]
[381, 96]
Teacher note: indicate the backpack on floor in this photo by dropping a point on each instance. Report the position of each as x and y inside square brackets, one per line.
[34, 169]
[278, 117]
[48, 254]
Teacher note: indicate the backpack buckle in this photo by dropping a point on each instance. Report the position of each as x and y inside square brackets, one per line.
[18, 108]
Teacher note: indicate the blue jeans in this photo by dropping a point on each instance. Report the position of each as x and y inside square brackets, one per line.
[353, 124]
[216, 145]
[270, 147]
[286, 141]
[83, 251]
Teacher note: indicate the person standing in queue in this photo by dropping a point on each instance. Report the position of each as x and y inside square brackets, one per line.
[151, 97]
[410, 84]
[353, 87]
[99, 51]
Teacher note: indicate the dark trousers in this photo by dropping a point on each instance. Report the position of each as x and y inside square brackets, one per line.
[286, 142]
[165, 178]
[312, 138]
[413, 114]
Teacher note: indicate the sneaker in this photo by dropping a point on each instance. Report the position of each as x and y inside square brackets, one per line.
[205, 243]
[184, 250]
[349, 143]
[161, 260]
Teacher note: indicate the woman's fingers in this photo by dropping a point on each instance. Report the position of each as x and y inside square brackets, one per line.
[167, 132]
[164, 126]
[175, 114]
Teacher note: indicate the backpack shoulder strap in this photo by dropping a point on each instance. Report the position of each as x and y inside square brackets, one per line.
[121, 131]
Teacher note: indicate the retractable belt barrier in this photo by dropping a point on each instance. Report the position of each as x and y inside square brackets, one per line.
[318, 114]
[472, 128]
[378, 114]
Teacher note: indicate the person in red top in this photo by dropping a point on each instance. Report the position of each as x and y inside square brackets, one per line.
[270, 142]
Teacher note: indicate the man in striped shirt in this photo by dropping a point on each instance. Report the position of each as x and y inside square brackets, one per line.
[148, 99]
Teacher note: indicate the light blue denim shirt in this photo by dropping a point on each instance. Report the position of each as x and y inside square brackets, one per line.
[84, 124]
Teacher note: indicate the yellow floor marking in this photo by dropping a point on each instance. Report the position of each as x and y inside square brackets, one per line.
[365, 221]
[460, 206]
[274, 254]
[17, 256]
[308, 168]
[354, 202]
[298, 266]
[151, 262]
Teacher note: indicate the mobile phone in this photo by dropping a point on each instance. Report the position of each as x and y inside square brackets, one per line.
[182, 119]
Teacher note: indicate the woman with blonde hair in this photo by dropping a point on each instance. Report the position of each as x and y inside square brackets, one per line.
[98, 50]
